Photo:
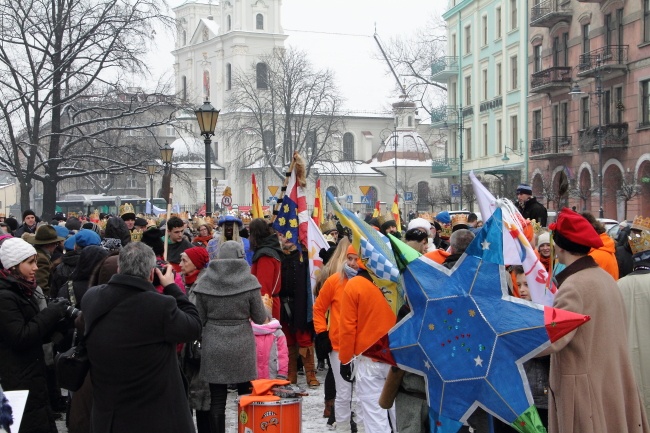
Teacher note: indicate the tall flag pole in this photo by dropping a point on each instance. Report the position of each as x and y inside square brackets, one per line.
[256, 207]
[317, 215]
[395, 211]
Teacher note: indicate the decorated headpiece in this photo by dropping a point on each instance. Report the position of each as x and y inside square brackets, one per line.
[327, 226]
[386, 217]
[640, 235]
[459, 221]
[127, 212]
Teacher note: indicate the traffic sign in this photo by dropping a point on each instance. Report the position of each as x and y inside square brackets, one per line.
[408, 196]
[455, 190]
[226, 200]
[349, 199]
[364, 199]
[272, 199]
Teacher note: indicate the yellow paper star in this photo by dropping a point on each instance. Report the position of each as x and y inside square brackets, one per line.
[286, 208]
[472, 313]
[282, 221]
[432, 326]
[288, 235]
[293, 223]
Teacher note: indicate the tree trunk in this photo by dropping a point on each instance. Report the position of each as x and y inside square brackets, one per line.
[25, 189]
[49, 198]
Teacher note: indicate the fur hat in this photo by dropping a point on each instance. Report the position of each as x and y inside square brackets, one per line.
[231, 250]
[14, 251]
[420, 223]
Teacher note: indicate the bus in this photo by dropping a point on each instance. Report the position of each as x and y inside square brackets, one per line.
[81, 203]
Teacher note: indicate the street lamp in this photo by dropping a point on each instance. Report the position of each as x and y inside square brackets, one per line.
[505, 153]
[151, 170]
[461, 125]
[166, 157]
[575, 90]
[207, 117]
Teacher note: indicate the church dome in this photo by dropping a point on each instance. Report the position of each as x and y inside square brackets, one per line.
[188, 149]
[410, 146]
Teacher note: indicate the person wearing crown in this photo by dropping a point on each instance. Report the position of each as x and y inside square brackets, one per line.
[592, 386]
[635, 288]
[127, 213]
[387, 224]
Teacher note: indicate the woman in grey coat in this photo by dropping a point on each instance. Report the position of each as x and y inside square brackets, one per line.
[228, 297]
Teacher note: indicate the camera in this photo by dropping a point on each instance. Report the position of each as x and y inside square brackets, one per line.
[71, 312]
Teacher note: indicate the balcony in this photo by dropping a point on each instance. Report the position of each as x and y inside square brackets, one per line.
[551, 79]
[550, 12]
[492, 104]
[444, 114]
[441, 165]
[444, 68]
[614, 136]
[550, 147]
[610, 60]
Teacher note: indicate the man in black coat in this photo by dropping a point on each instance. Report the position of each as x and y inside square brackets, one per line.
[132, 333]
[528, 205]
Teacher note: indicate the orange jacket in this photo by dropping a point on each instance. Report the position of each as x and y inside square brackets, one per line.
[605, 256]
[366, 316]
[330, 297]
[437, 256]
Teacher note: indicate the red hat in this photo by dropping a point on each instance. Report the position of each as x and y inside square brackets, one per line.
[574, 233]
[199, 256]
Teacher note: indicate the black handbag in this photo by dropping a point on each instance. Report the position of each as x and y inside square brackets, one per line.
[193, 352]
[72, 367]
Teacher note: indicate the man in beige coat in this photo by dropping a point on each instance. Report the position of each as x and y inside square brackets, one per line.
[592, 385]
[635, 288]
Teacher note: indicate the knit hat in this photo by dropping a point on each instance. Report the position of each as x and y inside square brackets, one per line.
[27, 213]
[544, 238]
[14, 251]
[59, 216]
[68, 245]
[574, 233]
[524, 188]
[92, 226]
[61, 231]
[199, 256]
[420, 223]
[231, 250]
[352, 250]
[85, 237]
[12, 223]
[140, 222]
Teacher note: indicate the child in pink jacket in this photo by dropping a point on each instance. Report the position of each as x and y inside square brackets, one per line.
[272, 352]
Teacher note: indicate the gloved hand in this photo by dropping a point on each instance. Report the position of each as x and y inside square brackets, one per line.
[346, 371]
[323, 345]
[58, 305]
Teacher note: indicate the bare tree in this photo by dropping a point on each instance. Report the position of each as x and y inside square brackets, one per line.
[628, 189]
[443, 195]
[468, 196]
[281, 105]
[63, 65]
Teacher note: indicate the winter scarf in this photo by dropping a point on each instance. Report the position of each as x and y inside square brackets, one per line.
[349, 272]
[270, 246]
[26, 286]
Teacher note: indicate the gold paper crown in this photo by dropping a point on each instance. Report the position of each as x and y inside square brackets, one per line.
[246, 219]
[328, 225]
[640, 236]
[385, 217]
[136, 236]
[427, 216]
[537, 227]
[126, 208]
[152, 223]
[459, 218]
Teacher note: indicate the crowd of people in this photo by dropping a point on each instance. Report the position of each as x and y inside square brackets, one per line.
[175, 312]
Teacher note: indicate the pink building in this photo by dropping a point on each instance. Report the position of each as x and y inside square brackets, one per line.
[601, 48]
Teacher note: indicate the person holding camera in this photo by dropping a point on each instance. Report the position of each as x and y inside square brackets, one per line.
[24, 327]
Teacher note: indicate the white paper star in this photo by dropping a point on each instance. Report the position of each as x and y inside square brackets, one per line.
[478, 361]
[427, 365]
[485, 244]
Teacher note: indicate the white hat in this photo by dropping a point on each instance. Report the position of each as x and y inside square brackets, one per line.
[420, 223]
[544, 238]
[14, 251]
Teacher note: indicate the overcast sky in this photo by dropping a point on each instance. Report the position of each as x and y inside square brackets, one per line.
[337, 34]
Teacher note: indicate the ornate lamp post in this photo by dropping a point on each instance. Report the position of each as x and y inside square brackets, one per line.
[152, 166]
[207, 117]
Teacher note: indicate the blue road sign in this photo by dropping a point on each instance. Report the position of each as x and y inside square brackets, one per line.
[408, 196]
[364, 199]
[349, 198]
[455, 190]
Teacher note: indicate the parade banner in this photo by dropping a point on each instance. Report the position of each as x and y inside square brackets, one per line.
[292, 217]
[516, 248]
[318, 215]
[377, 211]
[315, 242]
[256, 208]
[395, 211]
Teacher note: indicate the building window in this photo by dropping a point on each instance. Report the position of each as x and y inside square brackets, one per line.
[619, 26]
[586, 46]
[556, 51]
[537, 58]
[609, 30]
[607, 107]
[499, 136]
[514, 81]
[646, 20]
[485, 139]
[229, 23]
[468, 143]
[228, 76]
[618, 101]
[410, 121]
[537, 124]
[259, 22]
[453, 47]
[184, 88]
[645, 103]
[131, 182]
[564, 124]
[498, 22]
[498, 79]
[468, 40]
[584, 112]
[348, 147]
[484, 73]
[310, 143]
[514, 135]
[262, 76]
[170, 131]
[468, 90]
[565, 49]
[513, 14]
[453, 88]
[484, 41]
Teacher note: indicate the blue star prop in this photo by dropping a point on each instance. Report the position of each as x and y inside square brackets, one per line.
[467, 337]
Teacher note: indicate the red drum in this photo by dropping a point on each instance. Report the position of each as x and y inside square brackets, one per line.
[283, 416]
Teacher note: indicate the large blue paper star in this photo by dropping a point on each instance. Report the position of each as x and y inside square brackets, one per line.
[467, 336]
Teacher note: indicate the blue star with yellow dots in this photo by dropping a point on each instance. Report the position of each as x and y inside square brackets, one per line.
[469, 339]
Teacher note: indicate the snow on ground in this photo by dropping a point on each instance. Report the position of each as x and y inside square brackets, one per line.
[312, 409]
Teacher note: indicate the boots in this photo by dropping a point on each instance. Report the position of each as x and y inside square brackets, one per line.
[292, 375]
[329, 405]
[307, 354]
[217, 423]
